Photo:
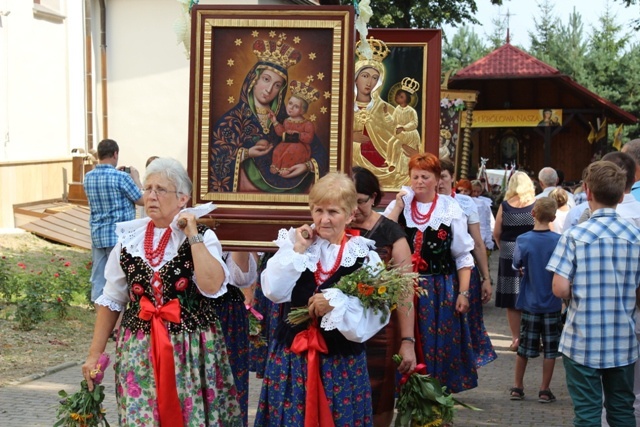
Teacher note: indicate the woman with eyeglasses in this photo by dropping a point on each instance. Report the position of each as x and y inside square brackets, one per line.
[172, 367]
[397, 336]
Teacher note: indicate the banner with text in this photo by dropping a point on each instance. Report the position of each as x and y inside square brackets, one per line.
[516, 118]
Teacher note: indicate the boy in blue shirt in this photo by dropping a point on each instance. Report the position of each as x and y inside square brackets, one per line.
[540, 308]
[597, 265]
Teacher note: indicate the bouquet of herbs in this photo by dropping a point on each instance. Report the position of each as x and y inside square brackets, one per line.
[375, 287]
[423, 401]
[84, 407]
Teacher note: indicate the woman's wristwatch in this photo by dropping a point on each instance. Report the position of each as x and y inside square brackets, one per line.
[465, 294]
[196, 238]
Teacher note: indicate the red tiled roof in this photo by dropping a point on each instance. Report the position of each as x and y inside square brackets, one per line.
[505, 62]
[509, 62]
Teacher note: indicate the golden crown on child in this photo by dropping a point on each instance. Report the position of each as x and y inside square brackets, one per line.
[378, 47]
[304, 91]
[276, 52]
[410, 85]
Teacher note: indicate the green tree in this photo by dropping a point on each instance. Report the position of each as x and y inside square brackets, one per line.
[606, 49]
[498, 36]
[543, 39]
[465, 47]
[421, 13]
[570, 48]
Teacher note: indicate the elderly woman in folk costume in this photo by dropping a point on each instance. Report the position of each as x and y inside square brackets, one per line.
[436, 229]
[317, 371]
[243, 139]
[172, 367]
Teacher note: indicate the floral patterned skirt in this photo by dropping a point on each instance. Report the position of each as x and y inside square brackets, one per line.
[259, 351]
[235, 327]
[444, 334]
[480, 340]
[346, 385]
[204, 380]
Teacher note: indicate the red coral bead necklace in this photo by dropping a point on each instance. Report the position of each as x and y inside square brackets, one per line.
[418, 217]
[320, 274]
[155, 256]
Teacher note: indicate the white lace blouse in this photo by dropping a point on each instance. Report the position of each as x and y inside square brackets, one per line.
[348, 315]
[447, 212]
[131, 236]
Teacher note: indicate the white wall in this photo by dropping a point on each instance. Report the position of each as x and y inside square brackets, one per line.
[41, 60]
[148, 79]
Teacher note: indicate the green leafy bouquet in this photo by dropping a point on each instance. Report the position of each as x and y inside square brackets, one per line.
[84, 407]
[375, 286]
[422, 401]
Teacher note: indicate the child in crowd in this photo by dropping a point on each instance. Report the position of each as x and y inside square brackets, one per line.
[596, 265]
[296, 131]
[540, 308]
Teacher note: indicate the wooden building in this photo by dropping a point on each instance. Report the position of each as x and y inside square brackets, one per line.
[509, 119]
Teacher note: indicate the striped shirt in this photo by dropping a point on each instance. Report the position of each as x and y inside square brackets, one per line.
[112, 195]
[601, 259]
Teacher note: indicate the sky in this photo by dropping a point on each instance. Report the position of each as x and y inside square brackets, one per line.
[523, 12]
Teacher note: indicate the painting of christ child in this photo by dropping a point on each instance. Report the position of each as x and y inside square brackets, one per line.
[263, 144]
[296, 131]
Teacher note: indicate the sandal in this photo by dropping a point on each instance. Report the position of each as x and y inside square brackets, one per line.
[545, 396]
[514, 345]
[516, 393]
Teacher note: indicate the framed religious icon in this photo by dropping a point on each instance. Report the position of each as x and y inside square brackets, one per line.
[509, 147]
[270, 109]
[397, 101]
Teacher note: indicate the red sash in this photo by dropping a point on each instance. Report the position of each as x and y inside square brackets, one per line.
[169, 409]
[317, 411]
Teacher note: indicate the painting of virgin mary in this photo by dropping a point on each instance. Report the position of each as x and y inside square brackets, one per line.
[242, 139]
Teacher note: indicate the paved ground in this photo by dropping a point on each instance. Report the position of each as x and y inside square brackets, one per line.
[33, 402]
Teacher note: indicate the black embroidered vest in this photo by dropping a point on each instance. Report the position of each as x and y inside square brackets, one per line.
[436, 247]
[197, 311]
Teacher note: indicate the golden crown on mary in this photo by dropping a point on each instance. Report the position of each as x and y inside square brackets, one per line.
[276, 52]
[410, 85]
[378, 47]
[304, 91]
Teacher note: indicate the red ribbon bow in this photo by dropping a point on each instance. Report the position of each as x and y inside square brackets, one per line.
[419, 264]
[317, 411]
[420, 369]
[169, 409]
[253, 311]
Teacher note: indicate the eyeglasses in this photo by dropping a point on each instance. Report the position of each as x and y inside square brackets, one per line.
[363, 201]
[160, 192]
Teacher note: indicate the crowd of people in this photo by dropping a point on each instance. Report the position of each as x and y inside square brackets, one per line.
[179, 305]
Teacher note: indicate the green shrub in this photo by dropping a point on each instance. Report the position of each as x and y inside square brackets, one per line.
[54, 284]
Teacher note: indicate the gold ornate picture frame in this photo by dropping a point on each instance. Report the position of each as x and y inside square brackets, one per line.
[403, 60]
[271, 100]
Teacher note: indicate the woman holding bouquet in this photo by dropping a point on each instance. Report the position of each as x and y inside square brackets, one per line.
[437, 231]
[172, 367]
[398, 335]
[316, 373]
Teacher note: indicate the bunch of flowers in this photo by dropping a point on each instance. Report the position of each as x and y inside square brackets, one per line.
[84, 407]
[255, 326]
[423, 401]
[456, 104]
[375, 287]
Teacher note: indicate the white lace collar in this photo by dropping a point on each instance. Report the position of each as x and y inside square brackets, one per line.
[131, 233]
[356, 247]
[445, 212]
